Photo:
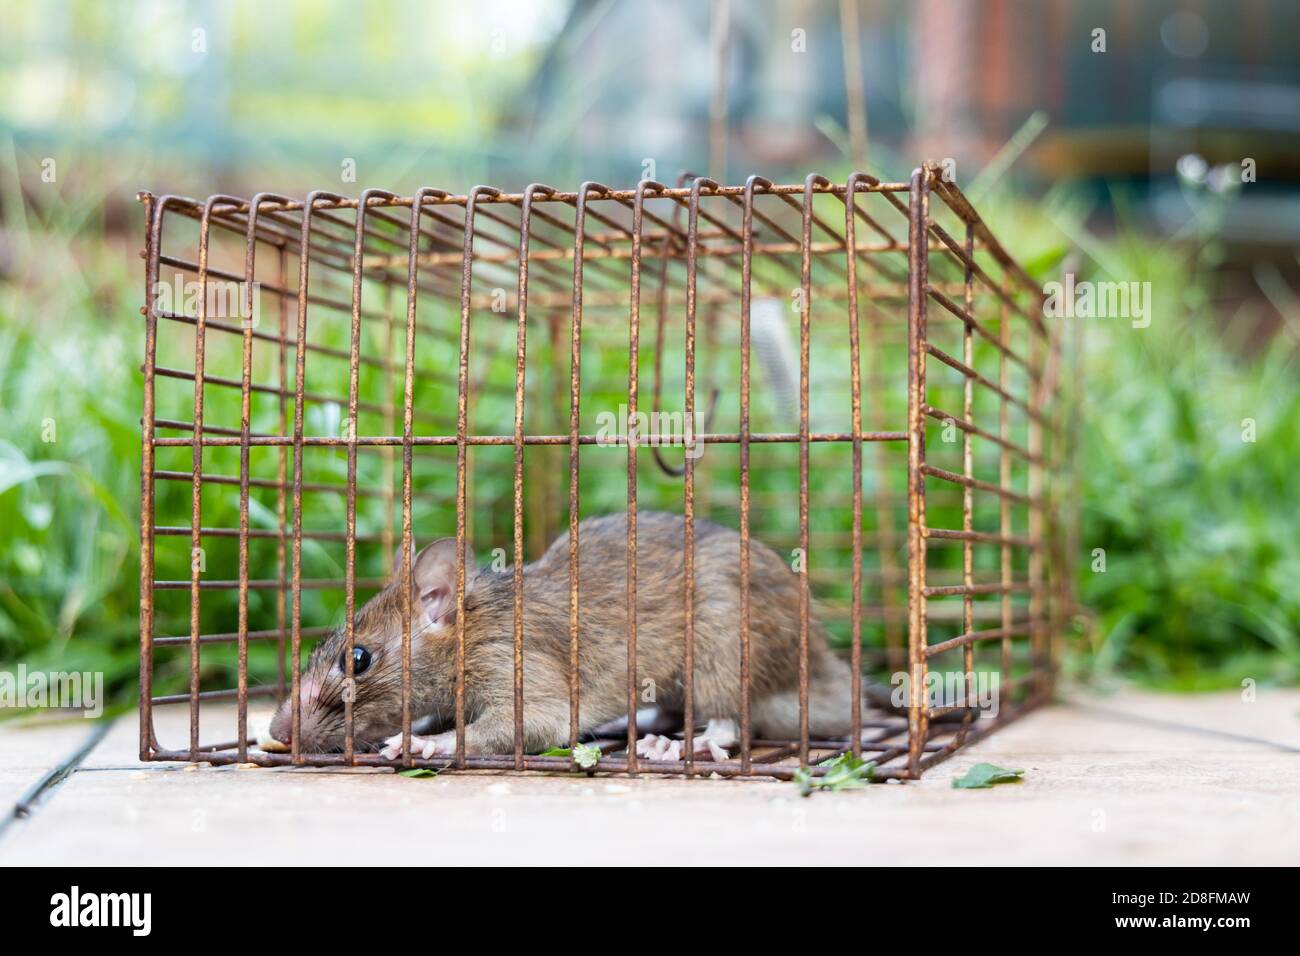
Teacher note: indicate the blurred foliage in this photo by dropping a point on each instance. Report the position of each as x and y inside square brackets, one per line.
[69, 494]
[1189, 453]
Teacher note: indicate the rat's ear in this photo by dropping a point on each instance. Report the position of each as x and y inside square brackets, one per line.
[399, 558]
[435, 580]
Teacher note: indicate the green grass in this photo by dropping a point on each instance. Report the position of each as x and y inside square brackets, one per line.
[1202, 540]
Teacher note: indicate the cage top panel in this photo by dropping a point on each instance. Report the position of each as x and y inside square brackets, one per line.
[696, 219]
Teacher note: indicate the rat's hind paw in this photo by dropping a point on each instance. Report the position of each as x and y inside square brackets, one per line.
[425, 747]
[717, 737]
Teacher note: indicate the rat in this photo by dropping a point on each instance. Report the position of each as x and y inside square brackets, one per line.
[489, 648]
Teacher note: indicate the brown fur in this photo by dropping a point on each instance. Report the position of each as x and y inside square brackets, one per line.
[489, 645]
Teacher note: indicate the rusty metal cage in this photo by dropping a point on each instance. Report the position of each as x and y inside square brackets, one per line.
[357, 374]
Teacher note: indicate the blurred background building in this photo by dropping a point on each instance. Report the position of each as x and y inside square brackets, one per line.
[943, 78]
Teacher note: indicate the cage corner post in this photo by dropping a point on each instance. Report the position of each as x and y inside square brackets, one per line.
[917, 292]
[152, 215]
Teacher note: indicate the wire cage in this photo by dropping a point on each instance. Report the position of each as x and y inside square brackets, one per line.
[864, 376]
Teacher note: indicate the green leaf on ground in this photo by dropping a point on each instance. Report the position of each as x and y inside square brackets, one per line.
[417, 772]
[845, 772]
[984, 775]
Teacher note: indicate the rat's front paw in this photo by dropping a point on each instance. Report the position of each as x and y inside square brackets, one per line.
[425, 747]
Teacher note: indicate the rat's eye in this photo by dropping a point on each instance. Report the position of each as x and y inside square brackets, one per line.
[360, 660]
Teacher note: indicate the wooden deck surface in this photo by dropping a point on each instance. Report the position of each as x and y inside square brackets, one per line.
[1134, 778]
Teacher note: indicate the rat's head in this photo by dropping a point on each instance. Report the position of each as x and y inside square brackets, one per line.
[376, 657]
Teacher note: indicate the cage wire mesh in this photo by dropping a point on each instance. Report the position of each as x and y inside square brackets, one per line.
[865, 369]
